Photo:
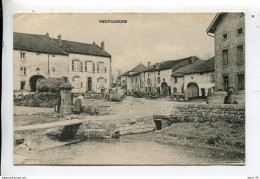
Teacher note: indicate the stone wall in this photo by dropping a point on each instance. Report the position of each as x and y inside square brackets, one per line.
[230, 113]
[219, 98]
[229, 25]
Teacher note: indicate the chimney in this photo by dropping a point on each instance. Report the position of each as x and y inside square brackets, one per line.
[59, 40]
[149, 64]
[102, 45]
[47, 34]
[192, 59]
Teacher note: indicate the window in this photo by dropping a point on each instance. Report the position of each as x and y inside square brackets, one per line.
[105, 69]
[240, 31]
[100, 82]
[148, 81]
[225, 36]
[132, 80]
[225, 57]
[240, 54]
[158, 80]
[158, 72]
[76, 81]
[89, 66]
[22, 71]
[100, 67]
[225, 81]
[22, 84]
[148, 74]
[22, 56]
[175, 79]
[241, 82]
[77, 65]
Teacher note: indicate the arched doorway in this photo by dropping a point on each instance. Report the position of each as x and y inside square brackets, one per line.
[33, 81]
[192, 90]
[164, 87]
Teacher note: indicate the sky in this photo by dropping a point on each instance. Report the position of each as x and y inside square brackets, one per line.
[146, 37]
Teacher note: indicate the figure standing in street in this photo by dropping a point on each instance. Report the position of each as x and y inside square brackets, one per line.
[77, 104]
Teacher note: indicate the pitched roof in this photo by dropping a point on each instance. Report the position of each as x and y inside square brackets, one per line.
[215, 22]
[200, 66]
[82, 48]
[171, 64]
[36, 43]
[135, 71]
[45, 44]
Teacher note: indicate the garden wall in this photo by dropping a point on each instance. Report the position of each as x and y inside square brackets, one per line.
[231, 113]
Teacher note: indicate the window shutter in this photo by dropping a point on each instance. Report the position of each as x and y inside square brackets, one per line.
[24, 70]
[85, 66]
[93, 67]
[21, 70]
[97, 67]
[81, 66]
[72, 65]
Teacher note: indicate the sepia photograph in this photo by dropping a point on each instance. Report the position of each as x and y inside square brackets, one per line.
[156, 89]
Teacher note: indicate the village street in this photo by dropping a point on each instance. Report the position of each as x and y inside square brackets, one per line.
[129, 108]
[142, 148]
[90, 103]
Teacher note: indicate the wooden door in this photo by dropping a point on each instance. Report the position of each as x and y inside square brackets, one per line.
[192, 90]
[89, 84]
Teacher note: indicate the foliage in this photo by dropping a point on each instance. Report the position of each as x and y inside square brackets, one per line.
[50, 84]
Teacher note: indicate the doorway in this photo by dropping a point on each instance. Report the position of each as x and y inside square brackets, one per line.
[225, 80]
[192, 90]
[33, 81]
[164, 87]
[203, 93]
[22, 84]
[89, 87]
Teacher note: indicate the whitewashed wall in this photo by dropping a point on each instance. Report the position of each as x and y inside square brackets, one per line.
[202, 80]
[58, 67]
[84, 75]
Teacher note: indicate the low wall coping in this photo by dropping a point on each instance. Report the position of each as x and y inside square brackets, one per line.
[211, 106]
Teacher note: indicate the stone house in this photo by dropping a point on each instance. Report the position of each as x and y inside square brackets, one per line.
[228, 30]
[134, 78]
[196, 79]
[87, 66]
[157, 77]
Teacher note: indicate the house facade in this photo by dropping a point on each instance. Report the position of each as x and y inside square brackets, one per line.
[157, 78]
[87, 66]
[34, 57]
[228, 30]
[195, 80]
[134, 78]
